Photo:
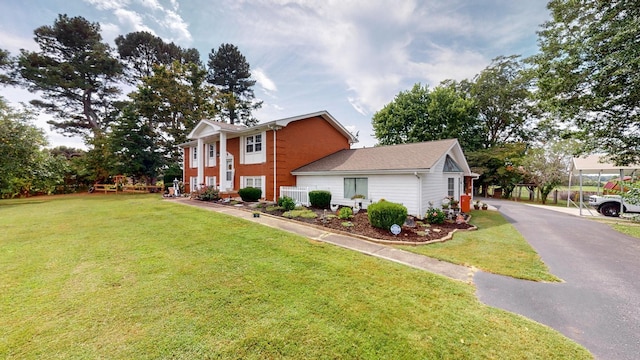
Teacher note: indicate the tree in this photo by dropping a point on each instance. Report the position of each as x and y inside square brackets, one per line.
[547, 166]
[172, 101]
[140, 51]
[5, 66]
[74, 72]
[134, 146]
[25, 165]
[588, 73]
[498, 165]
[422, 115]
[229, 71]
[502, 95]
[457, 114]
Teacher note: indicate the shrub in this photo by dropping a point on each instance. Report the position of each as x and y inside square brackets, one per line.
[320, 198]
[209, 193]
[345, 213]
[250, 194]
[286, 203]
[384, 214]
[435, 216]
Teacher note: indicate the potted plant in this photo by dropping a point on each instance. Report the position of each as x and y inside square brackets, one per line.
[455, 204]
[476, 204]
[485, 206]
[358, 200]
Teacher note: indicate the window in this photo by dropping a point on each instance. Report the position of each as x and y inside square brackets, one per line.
[356, 186]
[451, 187]
[211, 181]
[194, 183]
[254, 143]
[194, 157]
[211, 158]
[255, 182]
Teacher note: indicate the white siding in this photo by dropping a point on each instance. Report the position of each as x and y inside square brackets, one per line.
[401, 189]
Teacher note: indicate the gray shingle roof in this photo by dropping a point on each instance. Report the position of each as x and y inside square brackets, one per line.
[422, 155]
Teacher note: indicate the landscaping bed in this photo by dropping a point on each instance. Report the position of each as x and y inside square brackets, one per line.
[413, 231]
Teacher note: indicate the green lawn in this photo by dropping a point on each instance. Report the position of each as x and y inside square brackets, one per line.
[135, 277]
[496, 247]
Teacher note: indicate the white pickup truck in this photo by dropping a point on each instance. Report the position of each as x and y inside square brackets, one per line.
[609, 205]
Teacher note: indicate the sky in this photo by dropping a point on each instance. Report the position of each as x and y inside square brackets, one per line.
[348, 57]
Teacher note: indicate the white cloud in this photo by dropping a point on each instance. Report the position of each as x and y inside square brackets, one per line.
[131, 20]
[150, 16]
[263, 80]
[108, 4]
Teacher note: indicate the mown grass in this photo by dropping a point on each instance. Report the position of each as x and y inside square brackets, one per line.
[135, 277]
[496, 247]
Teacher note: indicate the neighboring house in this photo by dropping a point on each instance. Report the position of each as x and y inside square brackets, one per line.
[232, 157]
[414, 175]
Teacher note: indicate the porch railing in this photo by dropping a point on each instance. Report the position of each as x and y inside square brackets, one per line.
[298, 194]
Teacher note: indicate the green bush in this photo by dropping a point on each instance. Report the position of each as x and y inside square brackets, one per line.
[320, 198]
[250, 194]
[345, 213]
[385, 213]
[435, 216]
[286, 203]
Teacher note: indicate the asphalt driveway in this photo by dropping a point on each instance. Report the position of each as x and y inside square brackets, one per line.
[598, 304]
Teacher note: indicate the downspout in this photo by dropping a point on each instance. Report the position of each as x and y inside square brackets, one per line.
[275, 166]
[419, 194]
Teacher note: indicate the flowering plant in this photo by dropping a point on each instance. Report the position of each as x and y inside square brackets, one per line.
[435, 216]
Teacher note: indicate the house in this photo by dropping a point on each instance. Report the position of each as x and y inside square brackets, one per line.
[232, 157]
[415, 175]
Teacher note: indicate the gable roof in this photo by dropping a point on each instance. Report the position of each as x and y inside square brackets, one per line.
[395, 158]
[208, 127]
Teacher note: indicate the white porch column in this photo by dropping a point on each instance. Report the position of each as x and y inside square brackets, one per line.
[200, 159]
[222, 162]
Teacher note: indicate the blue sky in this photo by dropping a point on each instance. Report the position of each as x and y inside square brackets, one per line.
[347, 57]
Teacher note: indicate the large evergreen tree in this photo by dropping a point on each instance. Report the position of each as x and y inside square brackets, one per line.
[171, 102]
[589, 72]
[229, 71]
[140, 51]
[74, 72]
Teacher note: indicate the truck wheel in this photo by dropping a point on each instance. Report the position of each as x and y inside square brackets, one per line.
[610, 209]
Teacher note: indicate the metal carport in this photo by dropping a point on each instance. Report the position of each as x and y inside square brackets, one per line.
[595, 164]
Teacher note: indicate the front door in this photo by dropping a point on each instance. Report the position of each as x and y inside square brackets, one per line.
[230, 173]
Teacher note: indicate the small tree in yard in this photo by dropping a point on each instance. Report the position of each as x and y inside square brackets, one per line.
[546, 167]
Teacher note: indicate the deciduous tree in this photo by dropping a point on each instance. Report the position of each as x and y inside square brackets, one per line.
[26, 166]
[502, 94]
[588, 73]
[423, 115]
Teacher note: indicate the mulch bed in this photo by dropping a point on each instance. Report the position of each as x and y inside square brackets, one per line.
[359, 225]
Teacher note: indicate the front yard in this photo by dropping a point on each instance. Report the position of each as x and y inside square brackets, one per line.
[132, 276]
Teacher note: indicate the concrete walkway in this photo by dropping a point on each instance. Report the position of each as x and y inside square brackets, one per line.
[457, 272]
